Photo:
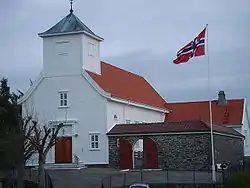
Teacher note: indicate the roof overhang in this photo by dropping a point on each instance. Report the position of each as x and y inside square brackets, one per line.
[41, 77]
[31, 89]
[70, 33]
[94, 84]
[173, 133]
[234, 126]
[141, 105]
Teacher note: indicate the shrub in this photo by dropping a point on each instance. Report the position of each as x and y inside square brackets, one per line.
[239, 180]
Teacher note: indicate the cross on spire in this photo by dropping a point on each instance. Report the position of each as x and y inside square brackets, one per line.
[71, 6]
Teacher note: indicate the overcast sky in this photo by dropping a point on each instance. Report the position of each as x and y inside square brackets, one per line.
[141, 36]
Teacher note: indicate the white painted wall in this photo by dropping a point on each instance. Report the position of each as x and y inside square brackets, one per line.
[62, 55]
[67, 54]
[129, 112]
[91, 62]
[85, 105]
[244, 129]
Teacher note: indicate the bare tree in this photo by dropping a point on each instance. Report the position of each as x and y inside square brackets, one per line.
[43, 138]
[27, 128]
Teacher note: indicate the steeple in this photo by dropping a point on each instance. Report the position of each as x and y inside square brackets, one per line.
[70, 24]
[71, 9]
[69, 47]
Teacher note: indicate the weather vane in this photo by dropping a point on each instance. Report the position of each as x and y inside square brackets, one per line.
[71, 9]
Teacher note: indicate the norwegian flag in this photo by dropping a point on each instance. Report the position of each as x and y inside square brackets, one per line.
[192, 49]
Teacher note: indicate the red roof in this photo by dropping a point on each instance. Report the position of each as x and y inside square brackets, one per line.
[229, 114]
[169, 127]
[126, 85]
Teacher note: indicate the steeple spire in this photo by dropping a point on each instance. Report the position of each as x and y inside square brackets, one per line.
[71, 6]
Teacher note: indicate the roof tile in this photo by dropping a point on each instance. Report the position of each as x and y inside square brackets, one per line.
[229, 114]
[126, 85]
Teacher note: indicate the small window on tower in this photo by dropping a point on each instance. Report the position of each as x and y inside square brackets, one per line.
[91, 49]
[62, 47]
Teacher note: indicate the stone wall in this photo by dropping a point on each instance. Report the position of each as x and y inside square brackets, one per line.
[174, 151]
[185, 151]
[228, 149]
[113, 152]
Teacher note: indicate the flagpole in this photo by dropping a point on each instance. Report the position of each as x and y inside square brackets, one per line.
[210, 114]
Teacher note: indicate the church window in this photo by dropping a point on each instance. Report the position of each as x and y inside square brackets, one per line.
[94, 141]
[63, 99]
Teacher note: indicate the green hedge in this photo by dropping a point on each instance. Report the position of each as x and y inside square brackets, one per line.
[239, 180]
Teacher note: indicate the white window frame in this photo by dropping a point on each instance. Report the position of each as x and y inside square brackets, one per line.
[63, 99]
[94, 141]
[91, 48]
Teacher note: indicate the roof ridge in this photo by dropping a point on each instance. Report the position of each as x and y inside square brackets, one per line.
[145, 123]
[91, 32]
[199, 101]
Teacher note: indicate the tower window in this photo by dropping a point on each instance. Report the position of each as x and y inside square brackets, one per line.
[62, 47]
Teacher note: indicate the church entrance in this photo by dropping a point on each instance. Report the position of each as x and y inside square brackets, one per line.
[63, 150]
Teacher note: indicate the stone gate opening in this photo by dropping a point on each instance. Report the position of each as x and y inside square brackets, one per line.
[180, 145]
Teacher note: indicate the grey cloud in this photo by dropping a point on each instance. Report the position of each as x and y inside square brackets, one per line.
[142, 37]
[190, 81]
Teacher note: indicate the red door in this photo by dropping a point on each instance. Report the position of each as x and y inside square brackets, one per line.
[150, 154]
[63, 150]
[125, 148]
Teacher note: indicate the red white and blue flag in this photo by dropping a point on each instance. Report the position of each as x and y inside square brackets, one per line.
[192, 49]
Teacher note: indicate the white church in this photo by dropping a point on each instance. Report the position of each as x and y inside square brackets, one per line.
[89, 96]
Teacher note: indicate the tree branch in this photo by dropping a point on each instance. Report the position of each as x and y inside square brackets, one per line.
[53, 138]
